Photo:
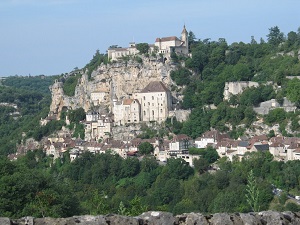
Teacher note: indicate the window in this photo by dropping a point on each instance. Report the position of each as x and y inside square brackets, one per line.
[144, 98]
[161, 111]
[152, 97]
[144, 113]
[152, 112]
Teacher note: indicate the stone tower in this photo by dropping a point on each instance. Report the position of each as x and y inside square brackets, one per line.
[184, 37]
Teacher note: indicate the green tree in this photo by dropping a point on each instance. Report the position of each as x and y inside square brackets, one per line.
[275, 36]
[145, 148]
[293, 91]
[252, 195]
[142, 47]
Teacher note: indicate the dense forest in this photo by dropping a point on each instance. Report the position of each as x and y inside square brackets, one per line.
[106, 183]
[31, 96]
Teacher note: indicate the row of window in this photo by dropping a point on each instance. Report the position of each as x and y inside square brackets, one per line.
[145, 113]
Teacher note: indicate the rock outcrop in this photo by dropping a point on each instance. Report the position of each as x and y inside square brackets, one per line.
[165, 218]
[120, 78]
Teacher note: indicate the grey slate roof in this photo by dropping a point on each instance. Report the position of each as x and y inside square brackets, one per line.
[155, 86]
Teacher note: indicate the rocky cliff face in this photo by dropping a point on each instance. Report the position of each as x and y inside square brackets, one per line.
[121, 79]
[165, 218]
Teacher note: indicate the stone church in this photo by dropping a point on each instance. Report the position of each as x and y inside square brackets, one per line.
[153, 103]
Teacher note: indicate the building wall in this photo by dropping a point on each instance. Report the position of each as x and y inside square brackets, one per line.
[155, 106]
[98, 97]
[164, 46]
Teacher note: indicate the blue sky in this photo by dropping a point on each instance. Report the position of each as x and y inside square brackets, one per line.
[54, 36]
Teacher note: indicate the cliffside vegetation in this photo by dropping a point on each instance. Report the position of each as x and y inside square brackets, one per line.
[95, 62]
[215, 62]
[69, 84]
[104, 183]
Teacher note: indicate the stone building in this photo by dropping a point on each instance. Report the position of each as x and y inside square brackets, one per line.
[167, 45]
[156, 102]
[126, 111]
[164, 45]
[97, 126]
[115, 52]
[99, 96]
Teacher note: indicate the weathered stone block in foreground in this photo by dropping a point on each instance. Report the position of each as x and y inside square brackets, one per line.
[165, 218]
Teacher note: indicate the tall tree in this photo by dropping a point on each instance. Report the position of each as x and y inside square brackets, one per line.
[275, 36]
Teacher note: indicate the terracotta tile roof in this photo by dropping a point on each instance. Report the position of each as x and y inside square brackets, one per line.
[291, 140]
[230, 151]
[163, 39]
[127, 101]
[277, 144]
[215, 134]
[277, 139]
[297, 150]
[261, 137]
[155, 86]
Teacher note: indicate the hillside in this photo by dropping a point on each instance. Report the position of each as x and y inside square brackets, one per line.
[198, 83]
[62, 175]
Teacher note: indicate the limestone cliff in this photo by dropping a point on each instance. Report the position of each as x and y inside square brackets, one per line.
[120, 78]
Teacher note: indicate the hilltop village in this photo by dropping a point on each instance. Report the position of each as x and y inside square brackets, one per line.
[120, 98]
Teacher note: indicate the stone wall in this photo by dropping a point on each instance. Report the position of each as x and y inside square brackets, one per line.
[234, 88]
[265, 107]
[165, 218]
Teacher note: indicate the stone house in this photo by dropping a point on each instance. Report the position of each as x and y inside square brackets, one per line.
[126, 111]
[116, 52]
[97, 126]
[180, 143]
[209, 138]
[99, 97]
[277, 149]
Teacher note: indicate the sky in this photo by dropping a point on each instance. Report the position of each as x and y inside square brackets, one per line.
[51, 37]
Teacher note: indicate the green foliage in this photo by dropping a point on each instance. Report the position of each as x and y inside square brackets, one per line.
[252, 195]
[33, 83]
[31, 107]
[293, 91]
[275, 36]
[95, 62]
[105, 183]
[79, 131]
[254, 95]
[49, 128]
[181, 76]
[76, 115]
[210, 154]
[275, 116]
[142, 47]
[70, 85]
[145, 148]
[138, 59]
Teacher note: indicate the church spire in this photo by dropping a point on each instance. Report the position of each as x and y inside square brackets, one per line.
[184, 30]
